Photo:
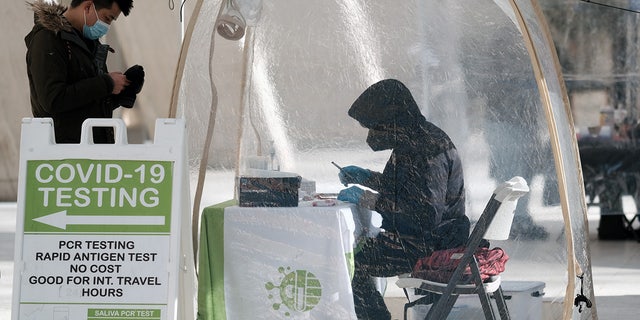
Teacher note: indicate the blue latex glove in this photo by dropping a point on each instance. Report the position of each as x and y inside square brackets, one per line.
[351, 194]
[353, 174]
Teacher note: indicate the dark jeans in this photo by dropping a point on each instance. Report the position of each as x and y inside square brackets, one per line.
[383, 256]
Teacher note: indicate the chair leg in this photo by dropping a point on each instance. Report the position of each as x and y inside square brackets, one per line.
[629, 226]
[441, 308]
[502, 304]
[489, 314]
[486, 306]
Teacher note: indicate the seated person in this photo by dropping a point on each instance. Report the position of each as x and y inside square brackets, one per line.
[420, 194]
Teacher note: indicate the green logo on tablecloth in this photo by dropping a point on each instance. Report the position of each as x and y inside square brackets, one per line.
[299, 290]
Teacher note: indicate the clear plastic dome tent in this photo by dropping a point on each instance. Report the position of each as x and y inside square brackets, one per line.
[273, 80]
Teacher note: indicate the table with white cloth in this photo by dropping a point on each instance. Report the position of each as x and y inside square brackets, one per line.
[278, 262]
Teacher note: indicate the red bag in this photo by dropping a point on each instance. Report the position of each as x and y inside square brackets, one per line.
[440, 265]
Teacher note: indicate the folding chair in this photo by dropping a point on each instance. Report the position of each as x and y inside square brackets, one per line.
[493, 224]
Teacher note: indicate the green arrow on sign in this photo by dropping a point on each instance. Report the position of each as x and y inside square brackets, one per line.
[61, 220]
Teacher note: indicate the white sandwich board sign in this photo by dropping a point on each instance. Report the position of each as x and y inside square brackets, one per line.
[98, 232]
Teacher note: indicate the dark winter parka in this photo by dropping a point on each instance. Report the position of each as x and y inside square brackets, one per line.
[422, 194]
[68, 76]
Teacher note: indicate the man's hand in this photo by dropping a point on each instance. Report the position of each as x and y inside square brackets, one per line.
[351, 194]
[353, 174]
[127, 96]
[119, 81]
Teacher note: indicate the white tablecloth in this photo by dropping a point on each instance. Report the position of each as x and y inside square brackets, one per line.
[278, 263]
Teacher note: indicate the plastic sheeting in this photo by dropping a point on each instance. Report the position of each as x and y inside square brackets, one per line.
[483, 71]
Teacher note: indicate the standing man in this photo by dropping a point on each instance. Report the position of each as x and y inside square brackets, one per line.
[420, 194]
[66, 66]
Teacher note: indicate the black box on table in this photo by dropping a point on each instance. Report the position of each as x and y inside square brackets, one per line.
[279, 190]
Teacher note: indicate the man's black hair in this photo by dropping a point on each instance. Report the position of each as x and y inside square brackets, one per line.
[125, 5]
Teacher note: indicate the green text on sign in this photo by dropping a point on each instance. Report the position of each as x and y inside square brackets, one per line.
[83, 195]
[123, 314]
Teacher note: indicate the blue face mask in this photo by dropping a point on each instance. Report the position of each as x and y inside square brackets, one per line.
[99, 29]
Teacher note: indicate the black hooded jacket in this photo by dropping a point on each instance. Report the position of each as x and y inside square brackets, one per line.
[68, 77]
[421, 190]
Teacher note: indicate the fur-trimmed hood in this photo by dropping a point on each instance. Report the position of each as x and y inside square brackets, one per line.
[49, 15]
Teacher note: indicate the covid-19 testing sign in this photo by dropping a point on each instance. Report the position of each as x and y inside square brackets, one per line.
[98, 226]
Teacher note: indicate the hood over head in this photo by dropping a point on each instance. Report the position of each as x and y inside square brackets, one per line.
[386, 103]
[394, 120]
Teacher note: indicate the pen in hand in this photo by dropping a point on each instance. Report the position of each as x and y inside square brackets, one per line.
[340, 168]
